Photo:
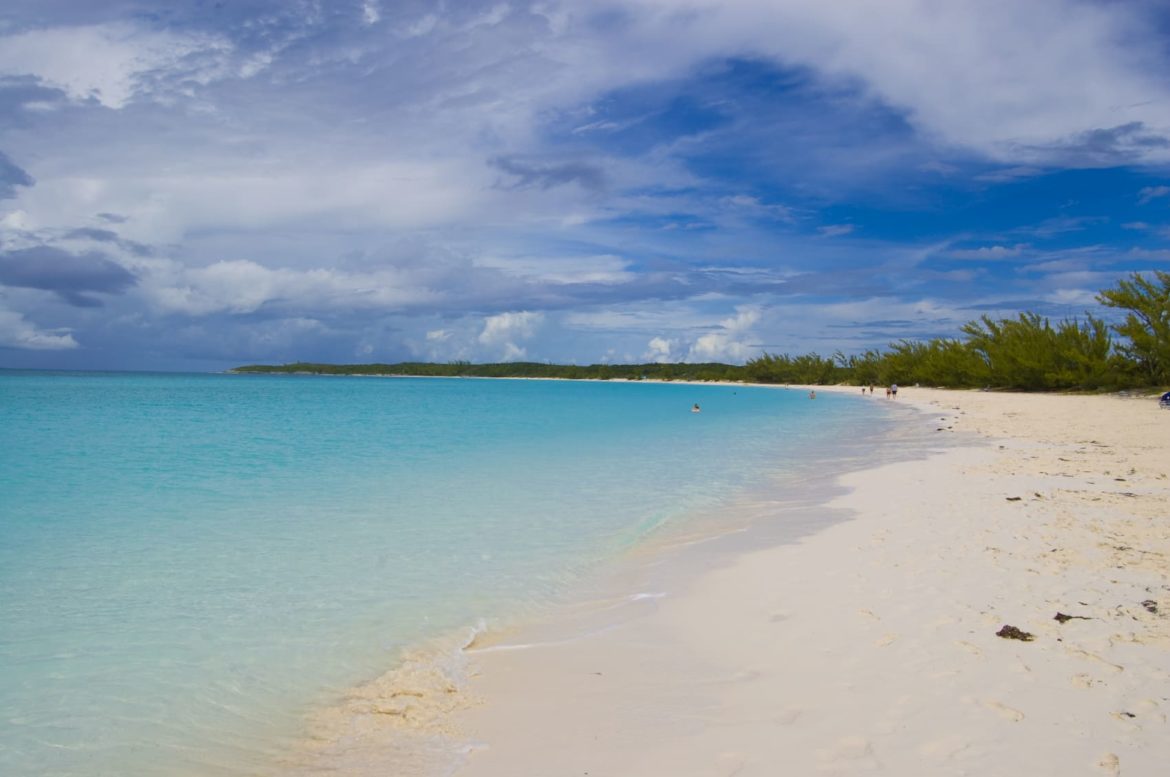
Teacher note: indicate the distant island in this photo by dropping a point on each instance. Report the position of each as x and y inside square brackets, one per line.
[710, 371]
[1026, 353]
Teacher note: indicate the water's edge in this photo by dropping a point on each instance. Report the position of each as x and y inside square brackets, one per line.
[226, 575]
[400, 722]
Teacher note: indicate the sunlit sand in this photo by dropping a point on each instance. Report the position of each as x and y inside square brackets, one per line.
[872, 645]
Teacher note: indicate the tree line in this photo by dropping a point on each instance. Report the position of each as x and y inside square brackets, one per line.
[1027, 353]
[711, 371]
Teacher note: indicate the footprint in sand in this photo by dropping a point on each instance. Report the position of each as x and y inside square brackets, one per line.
[1125, 716]
[868, 614]
[1149, 709]
[788, 716]
[889, 639]
[972, 649]
[730, 764]
[1006, 712]
[1020, 667]
[943, 750]
[1094, 657]
[744, 676]
[852, 748]
[1110, 764]
[848, 755]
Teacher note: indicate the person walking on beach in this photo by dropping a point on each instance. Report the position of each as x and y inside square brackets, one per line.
[894, 391]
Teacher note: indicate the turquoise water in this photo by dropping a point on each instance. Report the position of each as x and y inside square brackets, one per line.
[188, 563]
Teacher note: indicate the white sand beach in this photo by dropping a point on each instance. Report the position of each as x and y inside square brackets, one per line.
[872, 645]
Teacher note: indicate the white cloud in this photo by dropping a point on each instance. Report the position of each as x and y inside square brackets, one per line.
[504, 329]
[1010, 174]
[1145, 253]
[16, 332]
[245, 194]
[514, 353]
[16, 221]
[660, 349]
[242, 286]
[562, 270]
[989, 253]
[425, 165]
[371, 12]
[103, 62]
[259, 192]
[642, 318]
[968, 72]
[1082, 297]
[1152, 193]
[753, 206]
[727, 342]
[422, 26]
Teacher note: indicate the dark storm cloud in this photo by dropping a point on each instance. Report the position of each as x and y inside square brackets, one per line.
[1125, 143]
[524, 173]
[19, 94]
[91, 233]
[74, 277]
[11, 177]
[108, 236]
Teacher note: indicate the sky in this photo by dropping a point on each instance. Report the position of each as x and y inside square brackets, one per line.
[199, 184]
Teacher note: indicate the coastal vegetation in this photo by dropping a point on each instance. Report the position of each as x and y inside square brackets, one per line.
[1027, 353]
[462, 369]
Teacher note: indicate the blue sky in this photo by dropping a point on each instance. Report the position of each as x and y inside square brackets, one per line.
[194, 185]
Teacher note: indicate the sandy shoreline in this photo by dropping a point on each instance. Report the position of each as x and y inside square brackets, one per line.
[872, 645]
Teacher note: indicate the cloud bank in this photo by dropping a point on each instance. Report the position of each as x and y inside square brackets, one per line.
[570, 181]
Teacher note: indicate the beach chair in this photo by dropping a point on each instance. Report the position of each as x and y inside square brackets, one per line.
[1164, 401]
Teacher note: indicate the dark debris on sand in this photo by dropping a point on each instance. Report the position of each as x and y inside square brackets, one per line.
[1011, 632]
[1060, 617]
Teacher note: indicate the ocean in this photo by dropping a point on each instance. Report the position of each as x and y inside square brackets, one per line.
[190, 565]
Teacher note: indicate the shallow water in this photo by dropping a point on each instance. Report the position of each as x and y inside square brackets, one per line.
[190, 563]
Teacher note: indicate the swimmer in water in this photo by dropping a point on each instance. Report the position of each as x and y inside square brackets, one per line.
[696, 409]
